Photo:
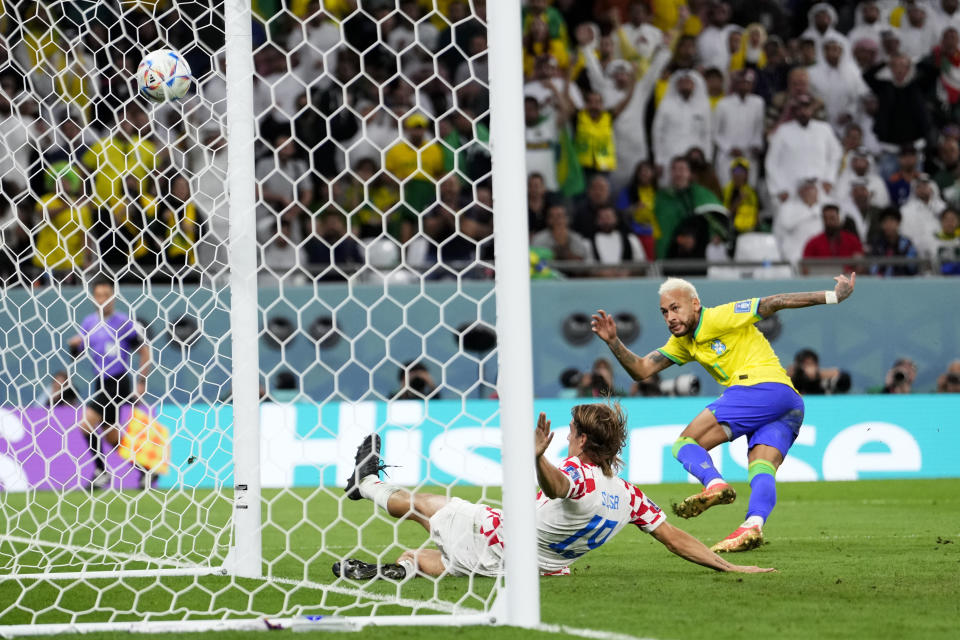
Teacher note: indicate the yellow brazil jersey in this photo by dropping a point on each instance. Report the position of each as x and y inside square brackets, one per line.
[112, 159]
[61, 234]
[729, 346]
[426, 163]
[594, 141]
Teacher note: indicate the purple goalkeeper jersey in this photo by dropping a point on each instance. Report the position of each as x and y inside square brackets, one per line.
[110, 343]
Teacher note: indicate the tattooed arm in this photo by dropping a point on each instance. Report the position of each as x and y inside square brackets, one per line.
[771, 304]
[639, 368]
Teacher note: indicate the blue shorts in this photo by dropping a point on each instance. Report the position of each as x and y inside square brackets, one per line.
[770, 413]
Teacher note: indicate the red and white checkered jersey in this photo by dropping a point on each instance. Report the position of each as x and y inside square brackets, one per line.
[593, 511]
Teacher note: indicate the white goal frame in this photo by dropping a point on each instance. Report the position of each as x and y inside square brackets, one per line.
[517, 601]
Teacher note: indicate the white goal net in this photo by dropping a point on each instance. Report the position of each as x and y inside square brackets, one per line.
[129, 439]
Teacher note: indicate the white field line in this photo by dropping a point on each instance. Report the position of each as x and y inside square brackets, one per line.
[596, 634]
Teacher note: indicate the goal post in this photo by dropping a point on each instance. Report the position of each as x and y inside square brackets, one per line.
[515, 385]
[247, 558]
[339, 168]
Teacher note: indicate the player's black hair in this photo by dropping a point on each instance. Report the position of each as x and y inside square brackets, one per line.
[102, 279]
[605, 426]
[830, 205]
[411, 367]
[804, 354]
[891, 212]
[285, 380]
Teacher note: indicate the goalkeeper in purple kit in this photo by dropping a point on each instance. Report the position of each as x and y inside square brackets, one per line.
[109, 338]
[760, 401]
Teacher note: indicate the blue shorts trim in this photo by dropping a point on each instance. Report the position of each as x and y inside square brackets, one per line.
[769, 413]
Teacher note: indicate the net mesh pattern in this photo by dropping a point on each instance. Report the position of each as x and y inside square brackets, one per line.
[375, 266]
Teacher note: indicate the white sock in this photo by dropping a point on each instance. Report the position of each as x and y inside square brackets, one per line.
[409, 566]
[716, 481]
[372, 488]
[753, 521]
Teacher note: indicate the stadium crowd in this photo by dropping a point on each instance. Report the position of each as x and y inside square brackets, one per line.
[655, 129]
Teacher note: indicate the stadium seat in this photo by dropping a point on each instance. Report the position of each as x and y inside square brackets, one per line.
[761, 247]
[725, 273]
[757, 247]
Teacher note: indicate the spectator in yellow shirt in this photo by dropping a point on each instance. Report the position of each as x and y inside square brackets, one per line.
[537, 42]
[739, 197]
[63, 219]
[417, 163]
[127, 151]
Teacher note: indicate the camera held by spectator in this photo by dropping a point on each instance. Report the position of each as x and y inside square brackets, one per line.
[949, 381]
[417, 383]
[598, 383]
[648, 387]
[810, 379]
[686, 384]
[901, 376]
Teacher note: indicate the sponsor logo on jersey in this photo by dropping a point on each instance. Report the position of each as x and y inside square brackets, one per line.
[718, 347]
[573, 472]
[742, 307]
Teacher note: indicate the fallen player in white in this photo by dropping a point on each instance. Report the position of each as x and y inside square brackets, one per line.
[581, 504]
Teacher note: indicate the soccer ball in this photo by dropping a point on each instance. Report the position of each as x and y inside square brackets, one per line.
[163, 75]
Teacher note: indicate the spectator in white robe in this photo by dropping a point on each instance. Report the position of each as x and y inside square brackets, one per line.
[946, 13]
[822, 22]
[866, 53]
[275, 87]
[801, 148]
[918, 33]
[921, 212]
[799, 219]
[861, 167]
[682, 121]
[542, 131]
[837, 83]
[631, 137]
[20, 131]
[208, 184]
[738, 127]
[601, 73]
[868, 24]
[316, 39]
[545, 68]
[712, 45]
[639, 32]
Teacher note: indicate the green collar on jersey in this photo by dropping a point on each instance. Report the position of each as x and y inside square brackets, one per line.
[699, 322]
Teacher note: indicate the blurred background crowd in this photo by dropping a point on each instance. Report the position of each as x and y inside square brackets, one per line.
[695, 135]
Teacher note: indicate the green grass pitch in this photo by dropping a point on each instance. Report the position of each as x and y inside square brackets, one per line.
[869, 559]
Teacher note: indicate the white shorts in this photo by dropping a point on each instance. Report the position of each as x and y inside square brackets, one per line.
[470, 538]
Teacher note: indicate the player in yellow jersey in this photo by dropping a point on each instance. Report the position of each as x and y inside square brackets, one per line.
[759, 402]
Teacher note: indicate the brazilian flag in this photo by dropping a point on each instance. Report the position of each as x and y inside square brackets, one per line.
[569, 171]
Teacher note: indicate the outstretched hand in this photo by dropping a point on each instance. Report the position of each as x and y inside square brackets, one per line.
[541, 435]
[844, 286]
[604, 326]
[745, 569]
